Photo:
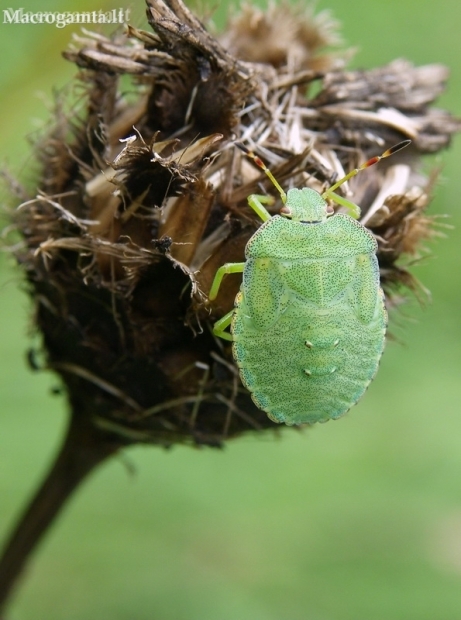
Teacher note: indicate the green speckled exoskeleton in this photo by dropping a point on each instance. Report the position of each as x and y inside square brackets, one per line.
[309, 322]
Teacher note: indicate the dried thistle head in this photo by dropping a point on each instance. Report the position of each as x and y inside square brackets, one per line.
[143, 197]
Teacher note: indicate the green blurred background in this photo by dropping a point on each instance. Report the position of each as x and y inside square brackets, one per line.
[358, 519]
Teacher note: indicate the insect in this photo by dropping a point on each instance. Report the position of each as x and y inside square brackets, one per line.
[309, 321]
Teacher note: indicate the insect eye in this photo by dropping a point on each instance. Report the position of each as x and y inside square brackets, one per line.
[285, 211]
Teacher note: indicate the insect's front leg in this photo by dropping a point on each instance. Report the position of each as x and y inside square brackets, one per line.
[256, 202]
[220, 326]
[352, 209]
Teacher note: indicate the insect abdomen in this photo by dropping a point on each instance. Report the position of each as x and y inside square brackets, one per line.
[313, 363]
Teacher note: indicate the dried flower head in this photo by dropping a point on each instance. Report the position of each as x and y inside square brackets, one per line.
[143, 197]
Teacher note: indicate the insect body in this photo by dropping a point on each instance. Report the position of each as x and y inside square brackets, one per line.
[309, 322]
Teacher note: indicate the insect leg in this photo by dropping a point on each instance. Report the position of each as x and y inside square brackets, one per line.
[256, 202]
[222, 271]
[220, 326]
[353, 209]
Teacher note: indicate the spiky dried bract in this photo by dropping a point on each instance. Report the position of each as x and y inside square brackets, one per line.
[396, 96]
[284, 35]
[143, 197]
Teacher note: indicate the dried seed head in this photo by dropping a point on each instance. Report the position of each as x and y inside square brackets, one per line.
[143, 197]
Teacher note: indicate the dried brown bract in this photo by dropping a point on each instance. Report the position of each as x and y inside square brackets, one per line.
[143, 197]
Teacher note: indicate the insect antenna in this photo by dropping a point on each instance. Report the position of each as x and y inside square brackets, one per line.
[259, 162]
[371, 162]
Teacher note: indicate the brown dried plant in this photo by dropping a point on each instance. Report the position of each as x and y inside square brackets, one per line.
[142, 197]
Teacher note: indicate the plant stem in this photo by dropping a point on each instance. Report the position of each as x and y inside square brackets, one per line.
[83, 449]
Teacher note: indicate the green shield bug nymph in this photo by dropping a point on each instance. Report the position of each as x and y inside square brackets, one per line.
[309, 322]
